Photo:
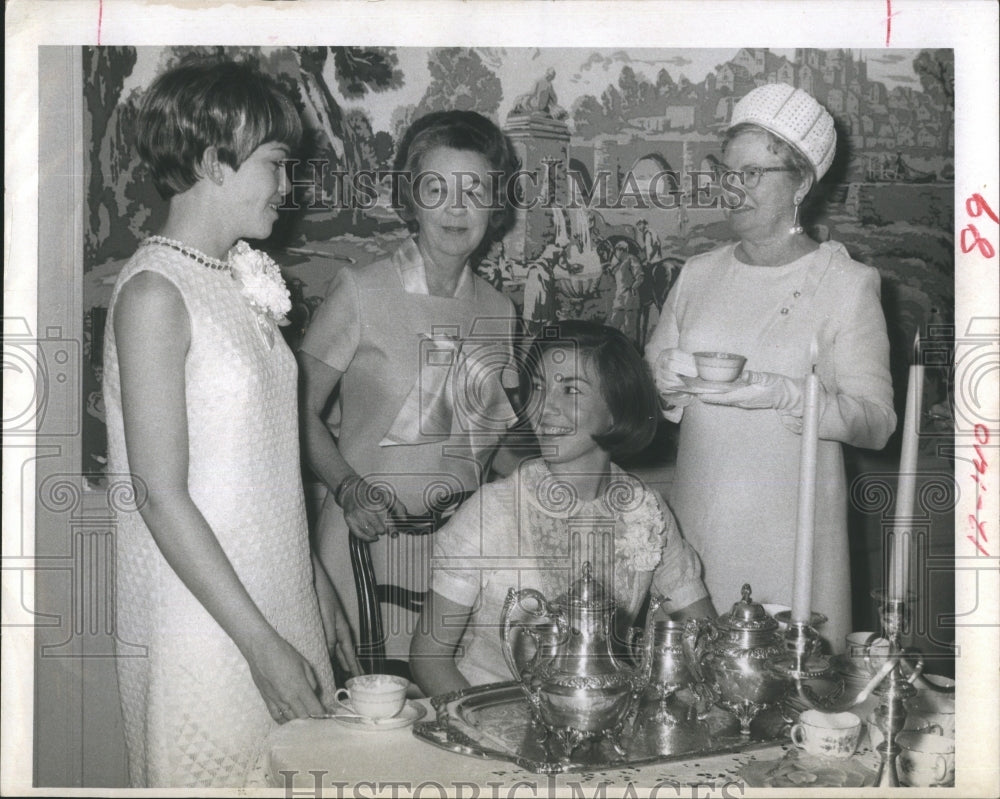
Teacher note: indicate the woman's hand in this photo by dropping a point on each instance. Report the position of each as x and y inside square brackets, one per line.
[760, 390]
[670, 365]
[285, 680]
[368, 507]
[336, 628]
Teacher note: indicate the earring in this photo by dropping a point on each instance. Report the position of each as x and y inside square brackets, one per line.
[796, 228]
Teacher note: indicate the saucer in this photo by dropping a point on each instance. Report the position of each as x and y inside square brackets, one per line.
[695, 385]
[411, 712]
[800, 770]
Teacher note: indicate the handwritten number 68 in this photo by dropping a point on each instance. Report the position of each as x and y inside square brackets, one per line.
[976, 206]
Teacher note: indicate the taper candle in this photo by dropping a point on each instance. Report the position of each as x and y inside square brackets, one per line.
[906, 485]
[806, 518]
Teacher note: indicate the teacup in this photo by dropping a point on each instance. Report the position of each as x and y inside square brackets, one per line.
[862, 644]
[935, 708]
[719, 367]
[937, 680]
[827, 734]
[773, 611]
[925, 759]
[913, 723]
[377, 696]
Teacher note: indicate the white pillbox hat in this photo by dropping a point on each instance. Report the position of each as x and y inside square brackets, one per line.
[793, 116]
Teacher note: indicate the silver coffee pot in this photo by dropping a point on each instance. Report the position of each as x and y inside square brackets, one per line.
[578, 689]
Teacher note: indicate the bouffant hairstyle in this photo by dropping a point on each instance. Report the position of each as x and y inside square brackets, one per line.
[232, 107]
[458, 130]
[626, 384]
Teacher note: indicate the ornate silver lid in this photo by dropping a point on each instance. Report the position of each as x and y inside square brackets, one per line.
[747, 616]
[586, 592]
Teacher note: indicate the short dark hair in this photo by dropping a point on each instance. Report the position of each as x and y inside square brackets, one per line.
[790, 156]
[209, 103]
[626, 384]
[458, 130]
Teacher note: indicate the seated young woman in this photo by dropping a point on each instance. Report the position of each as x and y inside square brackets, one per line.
[591, 400]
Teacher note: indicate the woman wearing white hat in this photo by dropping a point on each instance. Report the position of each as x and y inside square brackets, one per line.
[769, 296]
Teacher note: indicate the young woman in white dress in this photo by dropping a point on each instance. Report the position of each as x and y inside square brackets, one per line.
[214, 573]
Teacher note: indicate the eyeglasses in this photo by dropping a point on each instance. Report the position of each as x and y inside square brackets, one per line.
[749, 176]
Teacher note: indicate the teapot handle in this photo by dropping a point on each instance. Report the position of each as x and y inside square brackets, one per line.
[640, 642]
[695, 648]
[514, 598]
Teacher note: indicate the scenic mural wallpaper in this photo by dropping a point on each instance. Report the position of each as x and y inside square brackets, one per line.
[594, 128]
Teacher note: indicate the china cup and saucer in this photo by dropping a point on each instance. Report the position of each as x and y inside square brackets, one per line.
[698, 385]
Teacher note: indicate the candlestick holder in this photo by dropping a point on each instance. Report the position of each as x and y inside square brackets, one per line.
[803, 660]
[894, 687]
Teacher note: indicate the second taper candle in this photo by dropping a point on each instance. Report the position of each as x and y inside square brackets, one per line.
[806, 519]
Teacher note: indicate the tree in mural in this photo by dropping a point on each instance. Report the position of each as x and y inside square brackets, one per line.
[633, 96]
[936, 70]
[105, 70]
[357, 70]
[460, 81]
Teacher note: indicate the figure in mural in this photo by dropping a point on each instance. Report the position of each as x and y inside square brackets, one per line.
[214, 574]
[651, 289]
[418, 345]
[541, 99]
[540, 290]
[772, 297]
[651, 244]
[627, 271]
[590, 380]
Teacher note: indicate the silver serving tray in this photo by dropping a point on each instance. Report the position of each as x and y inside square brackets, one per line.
[493, 722]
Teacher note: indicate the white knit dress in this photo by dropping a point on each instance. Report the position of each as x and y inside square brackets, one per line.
[735, 493]
[192, 714]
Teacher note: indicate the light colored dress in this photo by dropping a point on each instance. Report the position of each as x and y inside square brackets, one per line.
[529, 531]
[193, 716]
[736, 487]
[403, 418]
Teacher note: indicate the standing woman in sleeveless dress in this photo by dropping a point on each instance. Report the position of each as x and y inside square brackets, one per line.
[214, 574]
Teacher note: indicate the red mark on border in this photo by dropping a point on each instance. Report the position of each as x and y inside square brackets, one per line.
[970, 239]
[982, 436]
[888, 21]
[100, 17]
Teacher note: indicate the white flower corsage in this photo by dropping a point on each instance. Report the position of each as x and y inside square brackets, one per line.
[263, 285]
[642, 543]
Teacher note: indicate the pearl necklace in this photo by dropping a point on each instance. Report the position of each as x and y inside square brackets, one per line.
[190, 252]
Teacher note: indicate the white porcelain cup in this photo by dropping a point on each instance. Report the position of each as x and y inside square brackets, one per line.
[936, 708]
[938, 680]
[827, 734]
[377, 696]
[913, 723]
[860, 644]
[773, 610]
[925, 759]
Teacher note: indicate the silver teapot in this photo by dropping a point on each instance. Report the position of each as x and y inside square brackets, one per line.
[731, 658]
[576, 686]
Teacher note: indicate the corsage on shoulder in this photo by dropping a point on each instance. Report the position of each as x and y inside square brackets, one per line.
[263, 285]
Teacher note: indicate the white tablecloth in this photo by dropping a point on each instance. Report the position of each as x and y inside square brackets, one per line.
[393, 763]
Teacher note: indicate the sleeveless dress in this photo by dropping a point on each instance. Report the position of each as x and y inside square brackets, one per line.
[735, 492]
[192, 714]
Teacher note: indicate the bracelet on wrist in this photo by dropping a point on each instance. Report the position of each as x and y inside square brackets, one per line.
[345, 484]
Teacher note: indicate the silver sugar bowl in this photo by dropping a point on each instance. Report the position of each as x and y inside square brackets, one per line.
[731, 656]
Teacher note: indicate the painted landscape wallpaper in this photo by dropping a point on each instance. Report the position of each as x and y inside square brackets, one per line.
[595, 127]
